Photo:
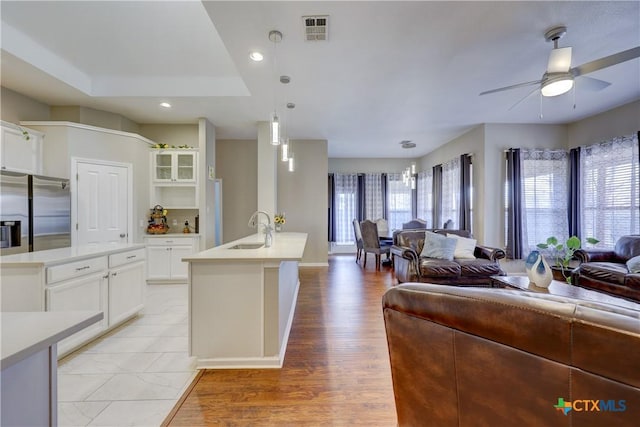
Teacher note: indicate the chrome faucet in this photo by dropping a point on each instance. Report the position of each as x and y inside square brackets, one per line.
[253, 222]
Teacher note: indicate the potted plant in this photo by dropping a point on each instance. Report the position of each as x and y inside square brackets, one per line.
[562, 254]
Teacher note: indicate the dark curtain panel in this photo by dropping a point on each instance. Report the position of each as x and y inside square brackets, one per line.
[360, 198]
[332, 209]
[385, 205]
[575, 205]
[514, 204]
[437, 196]
[414, 198]
[464, 220]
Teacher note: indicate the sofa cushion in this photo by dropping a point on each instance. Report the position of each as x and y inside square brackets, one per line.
[438, 246]
[479, 267]
[634, 264]
[430, 267]
[627, 247]
[464, 247]
[605, 271]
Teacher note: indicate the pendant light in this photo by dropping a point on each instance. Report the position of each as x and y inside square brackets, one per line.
[274, 121]
[285, 152]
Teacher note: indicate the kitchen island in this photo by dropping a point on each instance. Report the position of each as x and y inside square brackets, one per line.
[29, 363]
[242, 299]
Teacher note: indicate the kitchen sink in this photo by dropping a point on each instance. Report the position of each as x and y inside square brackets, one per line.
[247, 246]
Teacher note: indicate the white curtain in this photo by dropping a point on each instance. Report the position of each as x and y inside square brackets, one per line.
[425, 196]
[545, 196]
[373, 202]
[610, 190]
[346, 195]
[398, 201]
[450, 192]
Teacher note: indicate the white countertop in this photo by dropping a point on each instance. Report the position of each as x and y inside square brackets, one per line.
[73, 253]
[285, 247]
[26, 333]
[173, 235]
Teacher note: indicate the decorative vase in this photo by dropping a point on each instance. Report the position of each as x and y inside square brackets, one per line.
[278, 228]
[538, 270]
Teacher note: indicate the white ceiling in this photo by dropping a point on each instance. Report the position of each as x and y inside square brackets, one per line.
[390, 71]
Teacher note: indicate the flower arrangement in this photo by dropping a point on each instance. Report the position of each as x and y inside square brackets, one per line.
[164, 146]
[280, 219]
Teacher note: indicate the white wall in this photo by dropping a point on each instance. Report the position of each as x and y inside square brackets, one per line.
[368, 165]
[624, 120]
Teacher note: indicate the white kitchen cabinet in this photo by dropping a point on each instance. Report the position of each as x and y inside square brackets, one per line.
[19, 154]
[126, 285]
[174, 166]
[174, 179]
[164, 257]
[88, 292]
[107, 278]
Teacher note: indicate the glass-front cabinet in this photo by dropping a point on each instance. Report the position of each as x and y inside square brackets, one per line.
[174, 166]
[174, 179]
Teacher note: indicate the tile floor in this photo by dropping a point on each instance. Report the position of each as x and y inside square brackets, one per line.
[134, 375]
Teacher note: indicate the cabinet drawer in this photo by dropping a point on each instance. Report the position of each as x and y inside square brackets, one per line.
[126, 257]
[169, 241]
[76, 269]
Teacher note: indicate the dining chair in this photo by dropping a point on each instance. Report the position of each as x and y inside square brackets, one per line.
[358, 236]
[371, 242]
[415, 223]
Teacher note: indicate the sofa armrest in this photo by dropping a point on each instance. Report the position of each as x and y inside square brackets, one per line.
[404, 252]
[594, 255]
[486, 252]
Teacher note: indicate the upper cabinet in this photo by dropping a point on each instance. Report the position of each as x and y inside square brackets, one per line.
[174, 166]
[20, 149]
[174, 179]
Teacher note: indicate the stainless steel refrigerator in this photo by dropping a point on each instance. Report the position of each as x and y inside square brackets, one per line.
[35, 213]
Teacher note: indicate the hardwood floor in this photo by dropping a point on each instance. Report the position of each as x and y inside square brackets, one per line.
[336, 370]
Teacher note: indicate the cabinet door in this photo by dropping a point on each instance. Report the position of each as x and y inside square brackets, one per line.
[85, 293]
[185, 167]
[19, 154]
[158, 262]
[163, 167]
[126, 291]
[180, 269]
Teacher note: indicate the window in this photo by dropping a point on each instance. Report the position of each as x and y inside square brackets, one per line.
[450, 193]
[545, 196]
[610, 190]
[425, 197]
[346, 192]
[373, 197]
[398, 201]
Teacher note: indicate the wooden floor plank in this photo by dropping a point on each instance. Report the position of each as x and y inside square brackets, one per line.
[336, 370]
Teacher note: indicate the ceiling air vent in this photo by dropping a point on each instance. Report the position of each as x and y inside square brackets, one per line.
[316, 28]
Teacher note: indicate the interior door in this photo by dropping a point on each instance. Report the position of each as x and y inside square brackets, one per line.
[102, 203]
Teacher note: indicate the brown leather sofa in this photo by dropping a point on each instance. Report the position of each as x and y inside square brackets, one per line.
[497, 357]
[410, 267]
[606, 270]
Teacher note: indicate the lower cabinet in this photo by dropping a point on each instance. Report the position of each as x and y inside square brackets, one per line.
[84, 293]
[164, 257]
[114, 285]
[126, 292]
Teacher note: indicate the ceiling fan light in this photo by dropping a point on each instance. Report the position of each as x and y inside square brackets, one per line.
[557, 85]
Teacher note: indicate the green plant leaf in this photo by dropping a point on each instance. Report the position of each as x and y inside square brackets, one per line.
[592, 241]
[552, 241]
[573, 243]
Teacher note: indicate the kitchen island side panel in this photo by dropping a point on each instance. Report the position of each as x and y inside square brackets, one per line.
[226, 309]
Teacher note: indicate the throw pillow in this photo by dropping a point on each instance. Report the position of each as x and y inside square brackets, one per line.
[634, 264]
[438, 246]
[464, 246]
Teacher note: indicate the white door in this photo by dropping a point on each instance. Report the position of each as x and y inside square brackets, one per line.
[102, 203]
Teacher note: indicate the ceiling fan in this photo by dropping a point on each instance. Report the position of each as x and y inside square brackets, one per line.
[559, 77]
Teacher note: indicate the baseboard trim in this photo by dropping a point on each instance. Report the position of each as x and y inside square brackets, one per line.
[314, 264]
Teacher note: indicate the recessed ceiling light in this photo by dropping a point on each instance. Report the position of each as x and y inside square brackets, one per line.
[165, 105]
[256, 56]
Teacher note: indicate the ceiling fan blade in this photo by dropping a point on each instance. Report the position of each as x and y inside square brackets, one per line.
[536, 82]
[607, 61]
[591, 84]
[559, 60]
[523, 99]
